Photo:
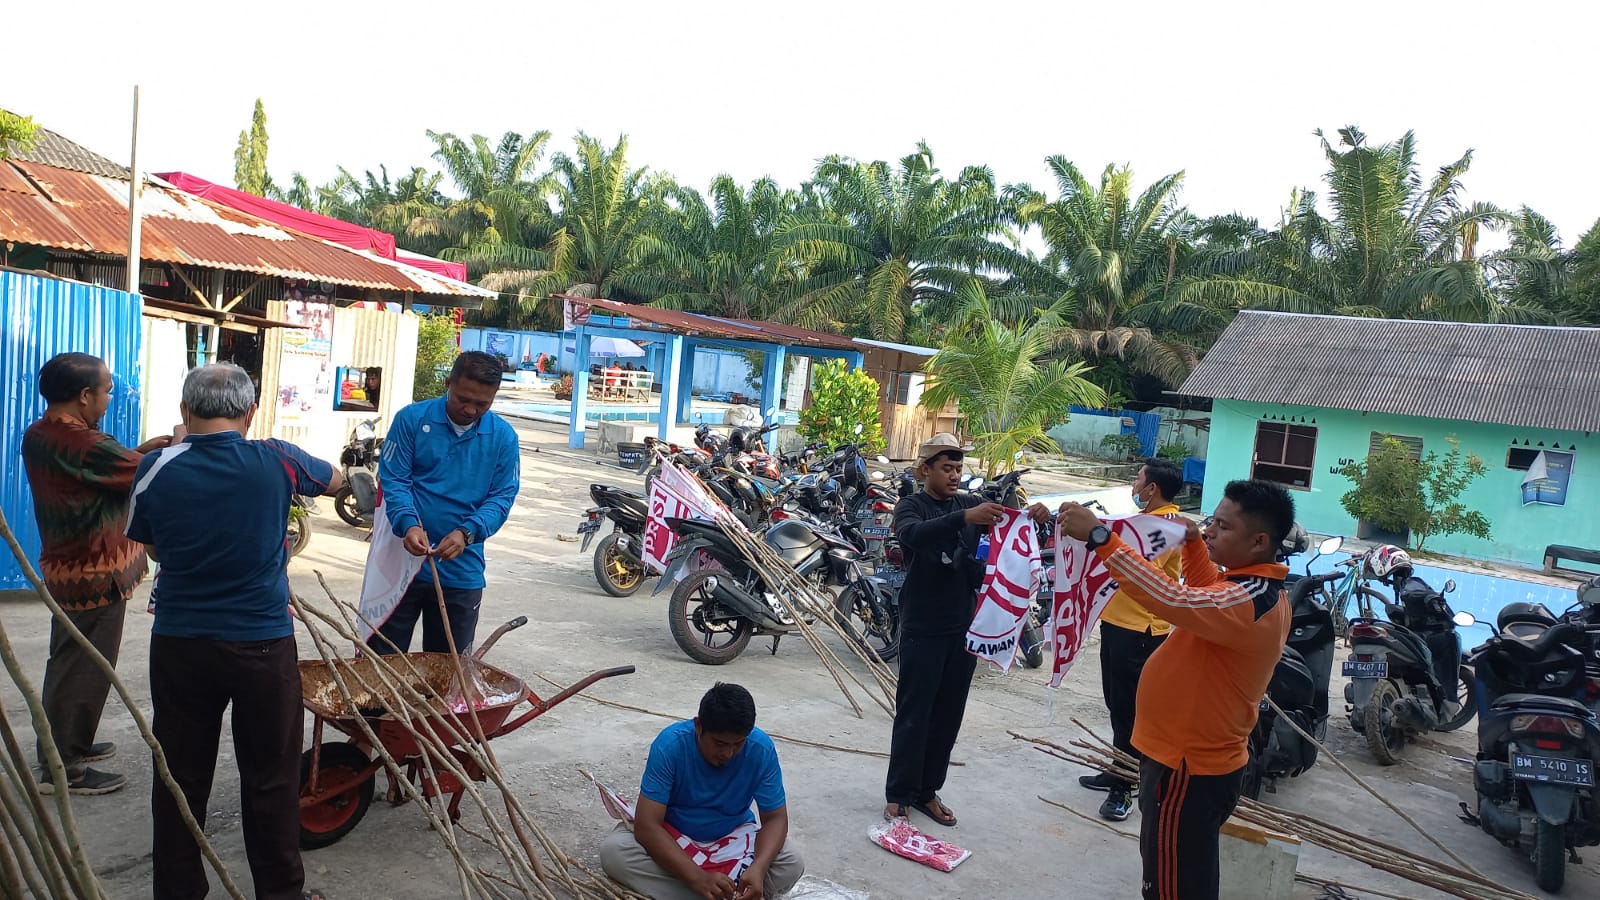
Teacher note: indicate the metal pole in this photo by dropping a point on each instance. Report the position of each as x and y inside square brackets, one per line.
[135, 182]
[214, 332]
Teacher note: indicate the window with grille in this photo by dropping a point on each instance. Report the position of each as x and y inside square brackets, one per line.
[1285, 453]
[1413, 444]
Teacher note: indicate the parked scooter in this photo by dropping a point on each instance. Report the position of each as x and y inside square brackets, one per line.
[1406, 672]
[357, 500]
[1538, 743]
[617, 564]
[1300, 681]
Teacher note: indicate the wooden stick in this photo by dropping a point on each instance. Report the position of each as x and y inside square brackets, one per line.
[1092, 821]
[19, 834]
[163, 771]
[37, 828]
[1316, 881]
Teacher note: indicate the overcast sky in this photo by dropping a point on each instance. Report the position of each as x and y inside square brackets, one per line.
[1229, 90]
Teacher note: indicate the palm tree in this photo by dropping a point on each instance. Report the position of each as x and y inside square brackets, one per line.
[1120, 257]
[999, 375]
[1537, 276]
[1396, 247]
[713, 257]
[501, 212]
[881, 244]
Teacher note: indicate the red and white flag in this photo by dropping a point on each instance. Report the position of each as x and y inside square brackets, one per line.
[1009, 585]
[676, 494]
[728, 856]
[1084, 585]
[390, 570]
[900, 837]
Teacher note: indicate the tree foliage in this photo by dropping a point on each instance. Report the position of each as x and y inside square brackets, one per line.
[1399, 492]
[17, 133]
[250, 157]
[841, 399]
[436, 348]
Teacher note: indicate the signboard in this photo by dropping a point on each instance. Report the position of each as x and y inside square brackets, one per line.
[305, 365]
[1547, 478]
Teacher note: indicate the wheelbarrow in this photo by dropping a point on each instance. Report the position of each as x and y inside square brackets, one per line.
[337, 778]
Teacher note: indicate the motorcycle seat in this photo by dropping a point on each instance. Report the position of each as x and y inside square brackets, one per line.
[1539, 702]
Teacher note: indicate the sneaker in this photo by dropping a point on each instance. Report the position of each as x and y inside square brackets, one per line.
[87, 783]
[1100, 781]
[97, 752]
[1119, 803]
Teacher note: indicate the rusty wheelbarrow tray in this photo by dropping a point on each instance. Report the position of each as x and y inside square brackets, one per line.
[337, 779]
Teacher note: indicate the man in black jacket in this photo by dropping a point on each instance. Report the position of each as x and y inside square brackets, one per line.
[938, 530]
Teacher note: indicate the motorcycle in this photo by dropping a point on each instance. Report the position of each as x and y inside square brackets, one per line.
[617, 564]
[357, 500]
[1300, 681]
[716, 609]
[1538, 743]
[1406, 673]
[297, 535]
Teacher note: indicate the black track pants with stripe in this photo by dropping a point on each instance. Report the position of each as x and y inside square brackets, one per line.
[1181, 818]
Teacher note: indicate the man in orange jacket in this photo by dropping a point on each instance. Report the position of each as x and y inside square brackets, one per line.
[1199, 693]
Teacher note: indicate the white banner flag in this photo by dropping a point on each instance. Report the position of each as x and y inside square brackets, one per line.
[1084, 585]
[390, 570]
[1009, 584]
[674, 493]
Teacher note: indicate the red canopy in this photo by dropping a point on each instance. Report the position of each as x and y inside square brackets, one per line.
[356, 237]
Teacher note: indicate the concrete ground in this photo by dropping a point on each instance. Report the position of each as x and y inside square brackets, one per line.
[1022, 848]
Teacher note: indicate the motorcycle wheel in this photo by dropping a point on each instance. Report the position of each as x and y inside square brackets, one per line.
[618, 575]
[346, 505]
[1464, 697]
[1385, 736]
[870, 621]
[298, 534]
[699, 639]
[1549, 856]
[1032, 643]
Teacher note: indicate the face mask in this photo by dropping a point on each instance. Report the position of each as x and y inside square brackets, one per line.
[1137, 498]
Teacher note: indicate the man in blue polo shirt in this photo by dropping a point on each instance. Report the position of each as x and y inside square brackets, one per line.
[699, 782]
[213, 511]
[450, 472]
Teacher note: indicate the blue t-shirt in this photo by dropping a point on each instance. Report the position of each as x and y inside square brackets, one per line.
[704, 802]
[216, 510]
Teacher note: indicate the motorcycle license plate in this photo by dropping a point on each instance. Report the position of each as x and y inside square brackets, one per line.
[876, 531]
[588, 525]
[1553, 769]
[1377, 668]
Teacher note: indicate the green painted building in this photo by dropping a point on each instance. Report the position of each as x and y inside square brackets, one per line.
[1294, 397]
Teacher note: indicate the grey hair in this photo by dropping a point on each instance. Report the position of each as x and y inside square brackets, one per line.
[218, 391]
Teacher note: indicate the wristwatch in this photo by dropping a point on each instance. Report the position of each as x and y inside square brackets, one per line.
[467, 533]
[1098, 536]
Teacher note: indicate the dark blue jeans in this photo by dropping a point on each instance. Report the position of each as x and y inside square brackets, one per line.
[420, 601]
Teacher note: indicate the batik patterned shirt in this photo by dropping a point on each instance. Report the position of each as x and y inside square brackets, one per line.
[81, 478]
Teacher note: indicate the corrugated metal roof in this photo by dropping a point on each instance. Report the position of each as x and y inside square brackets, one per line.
[73, 210]
[1524, 375]
[51, 149]
[672, 320]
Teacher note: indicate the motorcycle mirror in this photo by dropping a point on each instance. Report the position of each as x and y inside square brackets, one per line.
[858, 428]
[883, 460]
[877, 476]
[1449, 585]
[1330, 545]
[1463, 619]
[975, 484]
[770, 412]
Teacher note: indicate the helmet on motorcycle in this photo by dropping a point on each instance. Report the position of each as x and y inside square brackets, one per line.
[737, 439]
[1295, 542]
[1589, 592]
[1388, 560]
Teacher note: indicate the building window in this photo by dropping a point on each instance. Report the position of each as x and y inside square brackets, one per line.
[1413, 444]
[1285, 453]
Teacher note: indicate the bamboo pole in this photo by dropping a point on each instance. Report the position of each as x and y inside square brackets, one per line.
[37, 828]
[163, 771]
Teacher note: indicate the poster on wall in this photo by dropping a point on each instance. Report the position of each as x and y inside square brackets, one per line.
[315, 331]
[305, 385]
[305, 367]
[499, 343]
[1547, 479]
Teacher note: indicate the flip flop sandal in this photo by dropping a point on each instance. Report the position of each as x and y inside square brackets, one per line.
[900, 813]
[929, 809]
[312, 895]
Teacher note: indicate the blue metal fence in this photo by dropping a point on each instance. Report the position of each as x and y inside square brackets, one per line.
[40, 317]
[1146, 425]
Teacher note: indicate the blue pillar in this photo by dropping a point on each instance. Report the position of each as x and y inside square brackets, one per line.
[685, 376]
[854, 361]
[580, 389]
[772, 380]
[672, 360]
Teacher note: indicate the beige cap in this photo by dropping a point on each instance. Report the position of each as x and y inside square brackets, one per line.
[943, 442]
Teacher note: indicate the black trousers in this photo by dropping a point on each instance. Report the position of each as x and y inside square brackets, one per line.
[1181, 818]
[192, 680]
[935, 675]
[420, 601]
[1123, 653]
[75, 689]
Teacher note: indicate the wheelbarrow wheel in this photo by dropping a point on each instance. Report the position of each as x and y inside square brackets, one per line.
[325, 822]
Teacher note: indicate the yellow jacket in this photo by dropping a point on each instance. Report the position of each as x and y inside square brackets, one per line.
[1123, 612]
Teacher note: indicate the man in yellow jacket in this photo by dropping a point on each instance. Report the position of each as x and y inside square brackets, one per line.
[1128, 635]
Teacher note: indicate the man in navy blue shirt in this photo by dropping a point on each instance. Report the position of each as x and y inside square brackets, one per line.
[213, 511]
[450, 472]
[700, 780]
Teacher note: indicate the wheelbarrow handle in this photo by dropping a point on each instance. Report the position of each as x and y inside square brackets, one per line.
[512, 625]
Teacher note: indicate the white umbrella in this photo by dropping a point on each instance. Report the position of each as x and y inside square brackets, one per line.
[610, 346]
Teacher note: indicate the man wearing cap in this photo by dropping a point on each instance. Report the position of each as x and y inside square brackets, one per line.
[938, 530]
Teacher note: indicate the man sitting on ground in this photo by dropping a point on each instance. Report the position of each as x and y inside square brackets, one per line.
[699, 783]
